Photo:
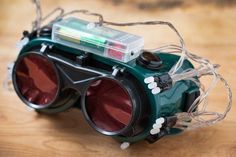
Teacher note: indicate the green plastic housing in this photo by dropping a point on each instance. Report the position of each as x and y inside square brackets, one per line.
[163, 104]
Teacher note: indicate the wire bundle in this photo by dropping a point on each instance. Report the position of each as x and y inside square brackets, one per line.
[195, 117]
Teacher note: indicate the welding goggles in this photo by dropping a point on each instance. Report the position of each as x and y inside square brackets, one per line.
[104, 73]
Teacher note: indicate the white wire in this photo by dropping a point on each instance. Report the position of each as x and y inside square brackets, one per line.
[205, 68]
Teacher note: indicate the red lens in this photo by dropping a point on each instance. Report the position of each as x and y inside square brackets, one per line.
[108, 105]
[36, 79]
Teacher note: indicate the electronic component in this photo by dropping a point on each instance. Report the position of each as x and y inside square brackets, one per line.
[157, 94]
[96, 39]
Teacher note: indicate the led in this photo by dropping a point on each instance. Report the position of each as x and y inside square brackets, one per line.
[157, 125]
[152, 85]
[160, 120]
[156, 90]
[124, 145]
[154, 131]
[149, 80]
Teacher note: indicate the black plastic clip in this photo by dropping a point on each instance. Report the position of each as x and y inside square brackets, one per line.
[164, 130]
[83, 59]
[45, 48]
[163, 81]
[117, 70]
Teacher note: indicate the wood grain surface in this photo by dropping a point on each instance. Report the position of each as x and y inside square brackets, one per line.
[208, 30]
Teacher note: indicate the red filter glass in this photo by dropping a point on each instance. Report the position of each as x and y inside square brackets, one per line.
[108, 105]
[36, 79]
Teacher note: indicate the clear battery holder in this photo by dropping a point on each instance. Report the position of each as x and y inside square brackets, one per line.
[100, 40]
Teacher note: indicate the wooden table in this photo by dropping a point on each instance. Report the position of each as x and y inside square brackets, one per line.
[209, 31]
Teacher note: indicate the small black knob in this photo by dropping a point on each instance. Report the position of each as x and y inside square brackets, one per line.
[149, 60]
[46, 31]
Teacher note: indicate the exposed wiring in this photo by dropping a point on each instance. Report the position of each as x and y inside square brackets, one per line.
[37, 23]
[201, 116]
[195, 115]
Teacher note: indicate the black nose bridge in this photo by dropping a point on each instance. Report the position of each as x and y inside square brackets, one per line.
[74, 75]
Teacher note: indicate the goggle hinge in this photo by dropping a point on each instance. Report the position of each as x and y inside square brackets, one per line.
[45, 47]
[117, 70]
